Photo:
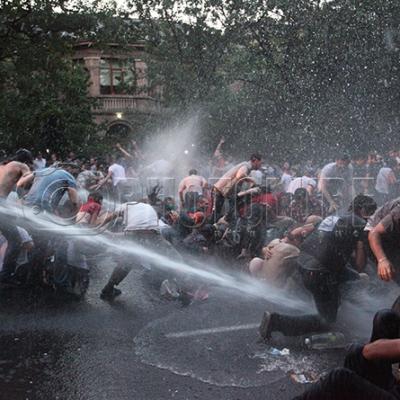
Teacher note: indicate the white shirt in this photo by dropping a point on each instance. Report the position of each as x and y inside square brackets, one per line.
[117, 173]
[301, 182]
[285, 181]
[39, 164]
[382, 180]
[139, 216]
[332, 173]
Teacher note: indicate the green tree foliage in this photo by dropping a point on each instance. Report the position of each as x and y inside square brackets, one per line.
[43, 92]
[322, 76]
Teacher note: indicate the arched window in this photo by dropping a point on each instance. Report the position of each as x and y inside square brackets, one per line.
[119, 131]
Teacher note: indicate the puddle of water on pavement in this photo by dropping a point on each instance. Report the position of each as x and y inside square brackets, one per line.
[221, 356]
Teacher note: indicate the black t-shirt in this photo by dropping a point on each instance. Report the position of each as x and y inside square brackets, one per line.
[378, 372]
[331, 246]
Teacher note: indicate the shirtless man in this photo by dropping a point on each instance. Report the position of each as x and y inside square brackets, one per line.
[10, 174]
[190, 188]
[226, 186]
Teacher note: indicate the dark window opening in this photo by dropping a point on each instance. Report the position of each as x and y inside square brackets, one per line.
[117, 77]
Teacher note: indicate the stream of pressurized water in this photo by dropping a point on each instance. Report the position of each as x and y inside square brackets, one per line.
[119, 245]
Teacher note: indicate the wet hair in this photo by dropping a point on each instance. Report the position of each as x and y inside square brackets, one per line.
[116, 158]
[96, 196]
[362, 202]
[310, 171]
[343, 157]
[256, 156]
[193, 172]
[300, 194]
[392, 163]
[207, 230]
[24, 156]
[359, 156]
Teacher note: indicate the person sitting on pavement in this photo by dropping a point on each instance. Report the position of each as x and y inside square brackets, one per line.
[367, 372]
[322, 262]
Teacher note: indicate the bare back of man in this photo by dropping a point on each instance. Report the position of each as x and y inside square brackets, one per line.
[10, 175]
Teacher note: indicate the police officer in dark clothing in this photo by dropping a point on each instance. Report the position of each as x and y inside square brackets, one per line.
[322, 264]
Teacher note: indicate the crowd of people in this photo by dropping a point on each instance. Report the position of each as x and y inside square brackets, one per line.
[311, 226]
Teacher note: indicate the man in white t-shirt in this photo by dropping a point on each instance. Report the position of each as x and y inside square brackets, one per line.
[386, 182]
[286, 177]
[304, 182]
[39, 162]
[141, 226]
[336, 179]
[116, 173]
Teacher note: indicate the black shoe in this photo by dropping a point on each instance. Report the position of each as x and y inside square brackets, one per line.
[185, 298]
[265, 326]
[110, 294]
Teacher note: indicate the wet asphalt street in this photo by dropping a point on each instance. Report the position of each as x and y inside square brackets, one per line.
[144, 347]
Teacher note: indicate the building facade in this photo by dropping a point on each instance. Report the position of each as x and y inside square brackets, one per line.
[119, 83]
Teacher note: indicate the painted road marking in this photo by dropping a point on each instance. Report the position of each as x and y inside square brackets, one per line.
[212, 330]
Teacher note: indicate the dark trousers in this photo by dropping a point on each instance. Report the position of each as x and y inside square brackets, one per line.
[9, 230]
[360, 378]
[125, 263]
[344, 384]
[253, 229]
[191, 201]
[325, 290]
[218, 205]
